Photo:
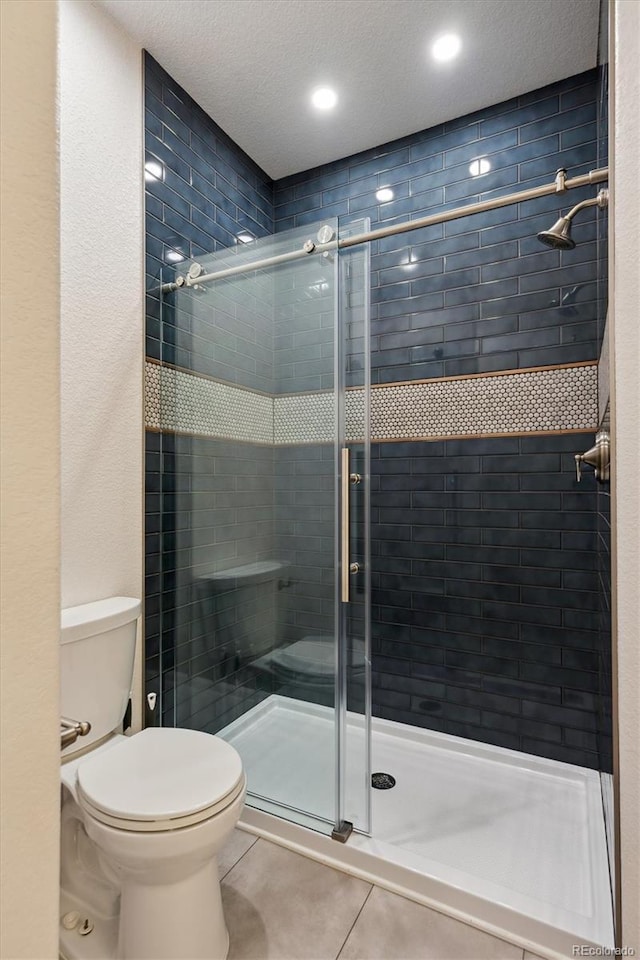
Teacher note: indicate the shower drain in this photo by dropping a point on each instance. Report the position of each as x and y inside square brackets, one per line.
[382, 781]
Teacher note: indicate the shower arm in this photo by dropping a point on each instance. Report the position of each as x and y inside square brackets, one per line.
[599, 201]
[557, 186]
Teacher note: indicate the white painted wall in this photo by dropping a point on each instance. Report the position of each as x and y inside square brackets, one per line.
[29, 558]
[88, 266]
[102, 312]
[623, 260]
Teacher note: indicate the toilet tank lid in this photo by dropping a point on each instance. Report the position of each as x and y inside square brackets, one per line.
[88, 619]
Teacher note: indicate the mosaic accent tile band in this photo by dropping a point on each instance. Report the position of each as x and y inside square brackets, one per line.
[538, 400]
[303, 418]
[182, 402]
[519, 402]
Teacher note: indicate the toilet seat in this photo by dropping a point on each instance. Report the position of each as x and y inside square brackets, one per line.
[160, 779]
[159, 826]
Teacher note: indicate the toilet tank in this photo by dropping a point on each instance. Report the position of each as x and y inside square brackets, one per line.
[97, 649]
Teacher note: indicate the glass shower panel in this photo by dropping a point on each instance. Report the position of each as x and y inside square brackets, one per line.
[305, 498]
[250, 613]
[354, 711]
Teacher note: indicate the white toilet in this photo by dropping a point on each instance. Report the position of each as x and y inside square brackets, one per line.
[143, 817]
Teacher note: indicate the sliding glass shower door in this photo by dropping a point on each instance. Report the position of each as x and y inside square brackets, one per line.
[265, 609]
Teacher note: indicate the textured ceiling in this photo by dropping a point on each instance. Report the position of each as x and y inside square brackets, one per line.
[251, 64]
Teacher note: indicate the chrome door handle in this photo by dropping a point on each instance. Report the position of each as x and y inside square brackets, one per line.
[345, 480]
[347, 568]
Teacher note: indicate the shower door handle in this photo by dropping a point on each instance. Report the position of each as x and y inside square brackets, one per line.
[344, 526]
[346, 567]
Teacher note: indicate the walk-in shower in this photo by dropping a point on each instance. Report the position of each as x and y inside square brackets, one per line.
[280, 457]
[370, 563]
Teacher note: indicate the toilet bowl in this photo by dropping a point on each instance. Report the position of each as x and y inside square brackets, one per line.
[143, 820]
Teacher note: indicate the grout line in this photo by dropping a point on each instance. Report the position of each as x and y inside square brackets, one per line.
[234, 865]
[366, 899]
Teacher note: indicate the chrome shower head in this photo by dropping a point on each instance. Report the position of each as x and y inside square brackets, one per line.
[559, 236]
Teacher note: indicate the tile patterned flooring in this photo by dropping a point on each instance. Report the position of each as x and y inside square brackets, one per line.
[280, 905]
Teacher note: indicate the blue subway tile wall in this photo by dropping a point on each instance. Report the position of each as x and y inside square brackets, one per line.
[485, 552]
[305, 509]
[484, 566]
[209, 506]
[201, 192]
[480, 293]
[304, 335]
[224, 334]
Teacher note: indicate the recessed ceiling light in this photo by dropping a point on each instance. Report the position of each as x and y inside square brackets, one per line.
[245, 237]
[384, 195]
[174, 256]
[478, 167]
[153, 170]
[324, 98]
[446, 47]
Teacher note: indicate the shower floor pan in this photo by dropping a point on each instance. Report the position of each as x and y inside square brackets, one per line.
[510, 843]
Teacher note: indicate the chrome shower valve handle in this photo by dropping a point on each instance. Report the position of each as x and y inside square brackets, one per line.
[598, 457]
